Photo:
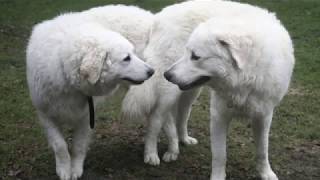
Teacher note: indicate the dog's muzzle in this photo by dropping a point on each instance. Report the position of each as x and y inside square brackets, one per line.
[168, 76]
[150, 72]
[133, 81]
[200, 81]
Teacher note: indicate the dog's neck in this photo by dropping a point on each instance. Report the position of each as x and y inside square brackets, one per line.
[230, 89]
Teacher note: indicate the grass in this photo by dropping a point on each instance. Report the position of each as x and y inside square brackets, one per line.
[117, 148]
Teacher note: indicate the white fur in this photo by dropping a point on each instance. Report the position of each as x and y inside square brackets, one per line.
[157, 100]
[76, 55]
[131, 22]
[249, 60]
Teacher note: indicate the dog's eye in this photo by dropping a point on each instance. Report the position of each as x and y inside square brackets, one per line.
[128, 58]
[194, 56]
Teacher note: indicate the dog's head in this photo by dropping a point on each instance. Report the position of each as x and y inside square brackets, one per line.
[213, 54]
[108, 60]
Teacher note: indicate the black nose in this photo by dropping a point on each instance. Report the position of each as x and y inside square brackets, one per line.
[150, 72]
[167, 75]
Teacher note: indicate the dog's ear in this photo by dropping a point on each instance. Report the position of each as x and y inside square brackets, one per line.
[92, 64]
[239, 48]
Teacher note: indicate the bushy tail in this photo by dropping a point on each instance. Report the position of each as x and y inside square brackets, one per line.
[138, 102]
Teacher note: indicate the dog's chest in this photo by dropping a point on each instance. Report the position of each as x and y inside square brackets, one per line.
[246, 106]
[68, 110]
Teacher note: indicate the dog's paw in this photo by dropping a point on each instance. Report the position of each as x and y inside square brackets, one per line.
[189, 140]
[265, 171]
[76, 172]
[152, 159]
[218, 176]
[269, 175]
[170, 156]
[63, 173]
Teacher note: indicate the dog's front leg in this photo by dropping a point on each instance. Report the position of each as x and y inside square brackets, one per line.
[59, 146]
[151, 139]
[218, 128]
[261, 127]
[80, 143]
[171, 132]
[182, 117]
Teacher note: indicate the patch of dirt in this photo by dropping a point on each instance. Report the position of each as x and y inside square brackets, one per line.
[293, 91]
[303, 162]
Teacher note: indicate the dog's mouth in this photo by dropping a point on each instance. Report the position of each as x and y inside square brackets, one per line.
[133, 81]
[198, 82]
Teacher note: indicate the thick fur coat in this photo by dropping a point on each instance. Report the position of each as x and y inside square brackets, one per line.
[79, 55]
[246, 57]
[157, 100]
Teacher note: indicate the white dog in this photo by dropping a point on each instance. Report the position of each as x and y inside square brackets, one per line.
[76, 56]
[247, 60]
[157, 100]
[131, 22]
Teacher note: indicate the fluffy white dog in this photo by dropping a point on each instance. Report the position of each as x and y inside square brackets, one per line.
[76, 56]
[131, 22]
[247, 60]
[157, 100]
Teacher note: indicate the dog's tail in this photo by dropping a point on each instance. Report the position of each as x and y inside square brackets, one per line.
[139, 101]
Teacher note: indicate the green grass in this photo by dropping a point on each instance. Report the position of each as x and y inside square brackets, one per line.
[117, 148]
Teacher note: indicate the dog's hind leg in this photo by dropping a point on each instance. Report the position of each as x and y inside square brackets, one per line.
[155, 123]
[183, 114]
[173, 146]
[80, 142]
[59, 146]
[261, 127]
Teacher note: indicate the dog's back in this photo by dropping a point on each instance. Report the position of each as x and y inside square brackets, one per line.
[131, 22]
[170, 31]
